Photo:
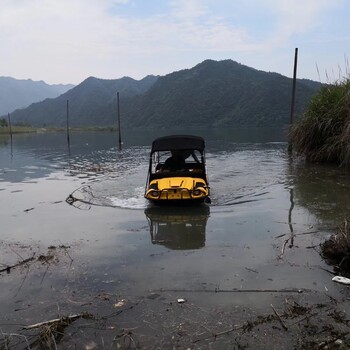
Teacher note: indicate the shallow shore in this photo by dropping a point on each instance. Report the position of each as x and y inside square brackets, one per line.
[167, 319]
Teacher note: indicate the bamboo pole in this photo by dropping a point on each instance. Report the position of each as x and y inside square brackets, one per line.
[10, 126]
[68, 140]
[294, 85]
[11, 141]
[119, 131]
[290, 147]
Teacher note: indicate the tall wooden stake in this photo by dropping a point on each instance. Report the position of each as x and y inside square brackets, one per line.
[293, 94]
[119, 131]
[291, 199]
[10, 126]
[68, 140]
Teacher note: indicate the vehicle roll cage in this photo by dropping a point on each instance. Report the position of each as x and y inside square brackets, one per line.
[185, 144]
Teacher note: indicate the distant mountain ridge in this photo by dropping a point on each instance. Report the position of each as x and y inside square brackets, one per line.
[219, 94]
[211, 94]
[91, 103]
[19, 93]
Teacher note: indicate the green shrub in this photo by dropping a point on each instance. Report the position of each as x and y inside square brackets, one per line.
[3, 122]
[323, 132]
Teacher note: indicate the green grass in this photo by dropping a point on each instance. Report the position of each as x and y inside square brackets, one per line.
[323, 132]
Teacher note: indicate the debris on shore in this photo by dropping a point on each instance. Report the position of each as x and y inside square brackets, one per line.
[336, 250]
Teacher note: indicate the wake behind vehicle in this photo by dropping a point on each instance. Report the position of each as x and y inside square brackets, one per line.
[177, 172]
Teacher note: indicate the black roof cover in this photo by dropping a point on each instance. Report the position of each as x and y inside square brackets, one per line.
[178, 142]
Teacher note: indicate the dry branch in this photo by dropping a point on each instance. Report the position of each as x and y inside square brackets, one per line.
[230, 290]
[23, 262]
[279, 319]
[65, 319]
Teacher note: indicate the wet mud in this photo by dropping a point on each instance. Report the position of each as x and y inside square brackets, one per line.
[164, 319]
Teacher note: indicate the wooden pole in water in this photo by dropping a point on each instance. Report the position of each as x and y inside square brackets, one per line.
[293, 94]
[119, 131]
[294, 85]
[68, 140]
[10, 126]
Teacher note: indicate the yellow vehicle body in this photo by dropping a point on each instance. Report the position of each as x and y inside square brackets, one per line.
[177, 189]
[177, 172]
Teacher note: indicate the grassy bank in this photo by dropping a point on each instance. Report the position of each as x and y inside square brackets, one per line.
[323, 132]
[17, 129]
[28, 129]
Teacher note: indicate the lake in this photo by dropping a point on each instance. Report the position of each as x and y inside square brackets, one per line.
[113, 256]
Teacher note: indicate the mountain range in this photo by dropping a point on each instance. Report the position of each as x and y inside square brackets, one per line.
[15, 93]
[211, 94]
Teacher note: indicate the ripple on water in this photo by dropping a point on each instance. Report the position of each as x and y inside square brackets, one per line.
[236, 177]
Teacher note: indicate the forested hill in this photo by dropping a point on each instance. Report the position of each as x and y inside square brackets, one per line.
[219, 94]
[91, 103]
[211, 94]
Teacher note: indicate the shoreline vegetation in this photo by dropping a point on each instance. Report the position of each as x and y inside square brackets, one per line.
[322, 134]
[5, 130]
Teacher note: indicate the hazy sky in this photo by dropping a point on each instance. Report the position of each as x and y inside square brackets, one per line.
[66, 41]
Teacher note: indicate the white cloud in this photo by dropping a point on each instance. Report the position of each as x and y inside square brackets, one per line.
[186, 10]
[296, 17]
[68, 40]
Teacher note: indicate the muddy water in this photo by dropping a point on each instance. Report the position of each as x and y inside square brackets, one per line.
[111, 242]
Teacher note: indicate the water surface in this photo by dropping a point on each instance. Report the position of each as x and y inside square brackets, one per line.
[112, 241]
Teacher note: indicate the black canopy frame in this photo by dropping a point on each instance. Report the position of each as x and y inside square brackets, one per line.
[178, 143]
[185, 143]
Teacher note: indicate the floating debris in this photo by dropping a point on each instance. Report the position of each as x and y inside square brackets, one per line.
[120, 303]
[342, 280]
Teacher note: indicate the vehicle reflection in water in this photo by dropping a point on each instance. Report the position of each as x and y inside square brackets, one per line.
[178, 228]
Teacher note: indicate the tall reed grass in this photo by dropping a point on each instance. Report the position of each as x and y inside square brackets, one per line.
[323, 133]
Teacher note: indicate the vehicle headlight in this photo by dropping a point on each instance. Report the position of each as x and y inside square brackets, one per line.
[196, 192]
